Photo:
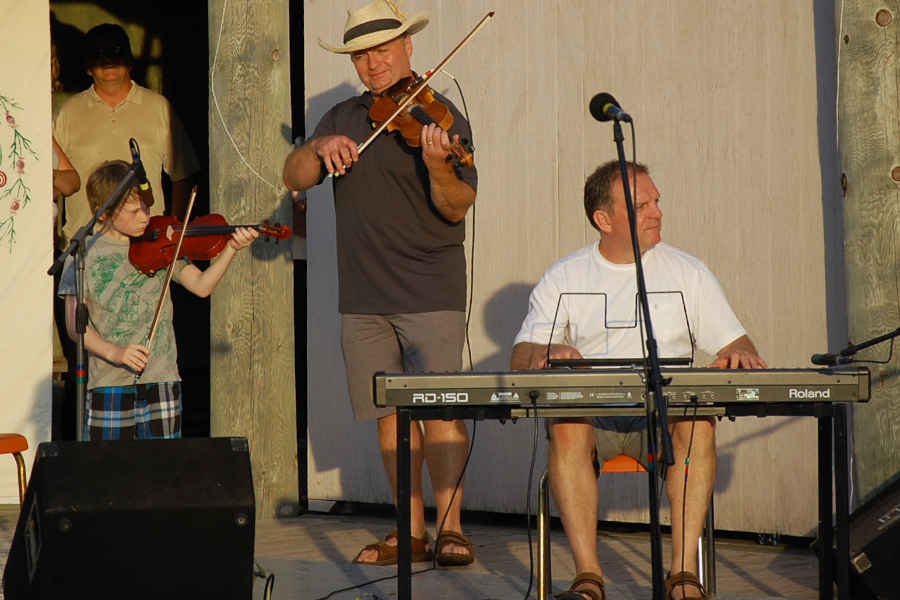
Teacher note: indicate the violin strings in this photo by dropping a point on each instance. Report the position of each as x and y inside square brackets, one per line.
[421, 115]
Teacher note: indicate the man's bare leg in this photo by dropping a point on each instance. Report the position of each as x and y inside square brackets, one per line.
[573, 483]
[387, 440]
[701, 478]
[446, 448]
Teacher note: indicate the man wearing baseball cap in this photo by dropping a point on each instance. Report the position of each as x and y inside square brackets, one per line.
[97, 125]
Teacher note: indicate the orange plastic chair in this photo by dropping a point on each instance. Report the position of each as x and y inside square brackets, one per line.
[620, 464]
[15, 444]
[623, 464]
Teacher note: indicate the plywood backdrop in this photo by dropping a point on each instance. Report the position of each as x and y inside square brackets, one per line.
[734, 112]
[26, 232]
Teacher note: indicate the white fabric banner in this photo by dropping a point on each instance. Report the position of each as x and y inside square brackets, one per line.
[26, 234]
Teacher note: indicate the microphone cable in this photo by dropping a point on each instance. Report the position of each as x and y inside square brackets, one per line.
[471, 368]
[534, 445]
[472, 257]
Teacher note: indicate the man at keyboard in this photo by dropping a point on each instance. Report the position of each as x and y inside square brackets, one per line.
[585, 306]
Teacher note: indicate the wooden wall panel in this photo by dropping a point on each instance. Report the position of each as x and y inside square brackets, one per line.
[870, 161]
[725, 102]
[251, 316]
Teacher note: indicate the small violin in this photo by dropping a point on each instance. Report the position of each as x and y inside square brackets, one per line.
[204, 238]
[424, 110]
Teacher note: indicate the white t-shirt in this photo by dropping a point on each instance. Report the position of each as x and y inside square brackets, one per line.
[594, 305]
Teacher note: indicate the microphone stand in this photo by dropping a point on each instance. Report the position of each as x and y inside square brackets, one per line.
[77, 248]
[657, 409]
[852, 349]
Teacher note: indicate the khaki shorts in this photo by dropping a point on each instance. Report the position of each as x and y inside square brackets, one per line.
[620, 435]
[615, 436]
[412, 343]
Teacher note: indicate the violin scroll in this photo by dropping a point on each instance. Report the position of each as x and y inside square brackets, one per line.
[424, 110]
[277, 231]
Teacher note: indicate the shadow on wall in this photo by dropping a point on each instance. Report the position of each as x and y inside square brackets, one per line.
[502, 317]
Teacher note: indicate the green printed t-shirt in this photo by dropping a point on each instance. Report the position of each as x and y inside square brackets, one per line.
[121, 303]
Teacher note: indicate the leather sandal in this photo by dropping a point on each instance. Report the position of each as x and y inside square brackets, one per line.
[586, 577]
[684, 579]
[454, 559]
[387, 554]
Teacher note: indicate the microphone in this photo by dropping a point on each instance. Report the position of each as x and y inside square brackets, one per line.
[604, 107]
[139, 173]
[830, 360]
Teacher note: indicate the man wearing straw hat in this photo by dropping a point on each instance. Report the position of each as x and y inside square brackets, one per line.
[401, 265]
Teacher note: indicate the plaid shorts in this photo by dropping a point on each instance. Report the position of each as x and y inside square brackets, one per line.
[140, 412]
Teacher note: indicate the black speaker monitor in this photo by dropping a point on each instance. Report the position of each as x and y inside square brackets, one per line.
[875, 547]
[136, 519]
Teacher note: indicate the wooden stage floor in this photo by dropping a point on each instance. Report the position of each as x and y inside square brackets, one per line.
[310, 557]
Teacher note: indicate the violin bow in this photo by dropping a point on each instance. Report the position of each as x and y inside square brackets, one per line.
[423, 83]
[165, 287]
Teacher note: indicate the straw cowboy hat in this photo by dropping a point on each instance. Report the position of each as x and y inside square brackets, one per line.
[375, 24]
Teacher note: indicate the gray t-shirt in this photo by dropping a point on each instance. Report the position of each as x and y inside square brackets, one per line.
[121, 303]
[396, 253]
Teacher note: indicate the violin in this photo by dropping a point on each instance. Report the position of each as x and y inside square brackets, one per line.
[423, 110]
[204, 238]
[412, 90]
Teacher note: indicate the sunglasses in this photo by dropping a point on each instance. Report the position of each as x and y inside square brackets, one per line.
[108, 52]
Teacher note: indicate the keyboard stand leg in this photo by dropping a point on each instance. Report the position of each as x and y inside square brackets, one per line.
[842, 501]
[826, 528]
[404, 492]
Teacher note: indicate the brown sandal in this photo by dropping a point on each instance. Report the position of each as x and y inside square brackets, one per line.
[586, 577]
[387, 554]
[454, 559]
[684, 579]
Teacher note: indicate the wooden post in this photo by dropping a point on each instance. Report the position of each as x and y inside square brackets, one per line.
[869, 132]
[251, 321]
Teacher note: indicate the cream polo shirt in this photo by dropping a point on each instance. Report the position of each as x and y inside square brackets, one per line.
[90, 132]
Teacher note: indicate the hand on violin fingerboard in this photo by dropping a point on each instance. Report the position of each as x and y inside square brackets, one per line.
[242, 237]
[436, 148]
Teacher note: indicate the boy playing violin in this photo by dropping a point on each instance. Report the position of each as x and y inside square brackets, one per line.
[121, 303]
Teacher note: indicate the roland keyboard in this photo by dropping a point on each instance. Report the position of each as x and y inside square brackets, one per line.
[621, 387]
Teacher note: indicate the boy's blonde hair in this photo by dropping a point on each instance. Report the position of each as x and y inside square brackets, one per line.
[104, 180]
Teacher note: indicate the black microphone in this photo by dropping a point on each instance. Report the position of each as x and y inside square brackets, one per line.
[830, 360]
[139, 173]
[604, 107]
